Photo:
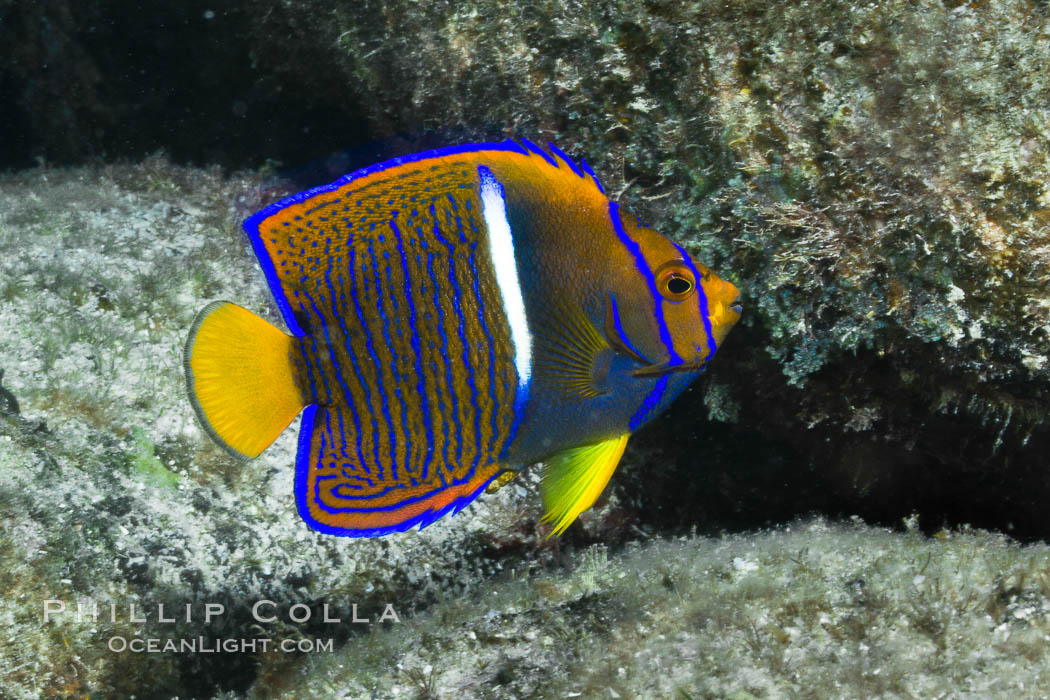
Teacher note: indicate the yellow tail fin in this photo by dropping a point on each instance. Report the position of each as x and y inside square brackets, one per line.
[240, 380]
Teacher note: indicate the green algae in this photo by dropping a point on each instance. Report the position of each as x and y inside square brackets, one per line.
[144, 461]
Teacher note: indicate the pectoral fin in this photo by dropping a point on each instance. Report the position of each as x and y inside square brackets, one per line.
[571, 353]
[574, 478]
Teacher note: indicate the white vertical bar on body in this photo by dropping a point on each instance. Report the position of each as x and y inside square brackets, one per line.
[501, 250]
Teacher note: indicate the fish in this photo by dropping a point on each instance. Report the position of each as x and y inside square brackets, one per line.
[452, 317]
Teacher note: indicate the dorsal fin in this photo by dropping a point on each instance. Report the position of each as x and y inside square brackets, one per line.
[556, 154]
[568, 161]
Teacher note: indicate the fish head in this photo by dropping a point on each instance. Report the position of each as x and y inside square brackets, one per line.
[669, 312]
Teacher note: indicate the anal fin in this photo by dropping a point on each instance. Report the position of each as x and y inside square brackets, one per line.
[341, 492]
[574, 478]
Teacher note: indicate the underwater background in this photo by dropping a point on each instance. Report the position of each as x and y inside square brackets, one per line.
[851, 502]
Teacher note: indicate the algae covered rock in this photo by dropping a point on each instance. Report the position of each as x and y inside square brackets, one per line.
[872, 176]
[111, 494]
[810, 610]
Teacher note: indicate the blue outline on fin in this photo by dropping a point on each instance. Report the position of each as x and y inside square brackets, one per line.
[302, 469]
[533, 148]
[587, 169]
[568, 161]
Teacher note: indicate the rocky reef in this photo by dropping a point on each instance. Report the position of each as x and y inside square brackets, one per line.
[873, 177]
[811, 610]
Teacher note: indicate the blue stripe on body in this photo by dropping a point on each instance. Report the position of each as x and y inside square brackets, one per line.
[457, 307]
[704, 312]
[357, 368]
[417, 349]
[437, 384]
[303, 465]
[643, 268]
[396, 506]
[359, 477]
[350, 497]
[463, 338]
[351, 406]
[650, 404]
[370, 347]
[347, 395]
[378, 303]
[411, 445]
[454, 404]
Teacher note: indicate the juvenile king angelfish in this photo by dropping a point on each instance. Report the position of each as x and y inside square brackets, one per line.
[454, 315]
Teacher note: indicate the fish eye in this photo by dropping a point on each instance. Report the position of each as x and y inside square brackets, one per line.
[675, 282]
[678, 285]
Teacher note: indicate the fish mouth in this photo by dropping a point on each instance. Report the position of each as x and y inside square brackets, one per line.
[662, 368]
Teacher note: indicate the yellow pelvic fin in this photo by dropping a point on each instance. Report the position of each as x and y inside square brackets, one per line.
[574, 478]
[240, 380]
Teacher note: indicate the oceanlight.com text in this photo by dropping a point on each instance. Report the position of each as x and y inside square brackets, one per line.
[209, 645]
